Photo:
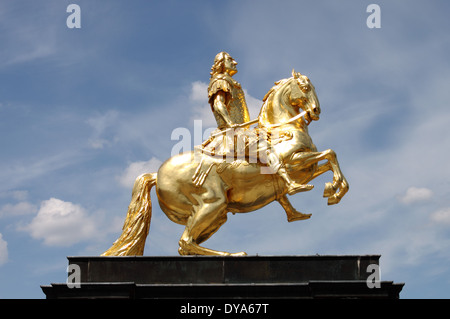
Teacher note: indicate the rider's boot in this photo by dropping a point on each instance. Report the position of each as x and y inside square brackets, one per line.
[277, 166]
[293, 187]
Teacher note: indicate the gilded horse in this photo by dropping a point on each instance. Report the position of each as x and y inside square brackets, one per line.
[288, 107]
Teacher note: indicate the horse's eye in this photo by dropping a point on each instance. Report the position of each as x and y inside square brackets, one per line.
[305, 88]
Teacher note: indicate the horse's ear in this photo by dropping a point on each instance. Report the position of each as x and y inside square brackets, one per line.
[294, 74]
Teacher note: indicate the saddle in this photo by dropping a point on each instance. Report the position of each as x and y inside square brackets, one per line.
[233, 147]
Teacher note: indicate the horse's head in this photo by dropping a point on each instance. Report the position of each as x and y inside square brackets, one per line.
[289, 98]
[303, 95]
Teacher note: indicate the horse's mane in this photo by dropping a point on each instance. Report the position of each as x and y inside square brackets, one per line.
[274, 88]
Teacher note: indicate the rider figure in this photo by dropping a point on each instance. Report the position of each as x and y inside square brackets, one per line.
[227, 101]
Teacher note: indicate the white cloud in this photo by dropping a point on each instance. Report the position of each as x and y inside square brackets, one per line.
[137, 168]
[441, 216]
[103, 121]
[100, 124]
[200, 108]
[3, 250]
[21, 208]
[415, 194]
[254, 105]
[199, 92]
[61, 223]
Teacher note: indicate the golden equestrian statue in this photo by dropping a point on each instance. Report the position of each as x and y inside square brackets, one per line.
[239, 169]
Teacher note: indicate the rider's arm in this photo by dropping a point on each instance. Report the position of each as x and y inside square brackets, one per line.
[221, 108]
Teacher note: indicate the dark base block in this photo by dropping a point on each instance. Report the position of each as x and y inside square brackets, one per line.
[270, 277]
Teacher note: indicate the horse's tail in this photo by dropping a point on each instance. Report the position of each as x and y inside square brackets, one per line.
[137, 224]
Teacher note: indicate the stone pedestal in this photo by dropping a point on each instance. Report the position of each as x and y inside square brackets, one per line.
[249, 277]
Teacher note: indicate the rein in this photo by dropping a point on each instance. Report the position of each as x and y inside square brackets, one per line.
[292, 119]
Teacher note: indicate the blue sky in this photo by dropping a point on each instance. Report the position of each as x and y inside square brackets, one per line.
[84, 111]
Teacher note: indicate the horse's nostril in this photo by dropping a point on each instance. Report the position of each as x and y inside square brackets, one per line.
[316, 110]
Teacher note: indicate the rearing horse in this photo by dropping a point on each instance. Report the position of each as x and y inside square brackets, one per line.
[239, 187]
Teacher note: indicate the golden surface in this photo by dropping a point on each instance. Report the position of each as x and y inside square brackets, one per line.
[239, 169]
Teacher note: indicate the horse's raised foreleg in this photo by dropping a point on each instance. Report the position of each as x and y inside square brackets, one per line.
[335, 190]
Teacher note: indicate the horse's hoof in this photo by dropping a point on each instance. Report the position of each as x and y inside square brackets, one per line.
[329, 190]
[333, 200]
[242, 253]
[182, 252]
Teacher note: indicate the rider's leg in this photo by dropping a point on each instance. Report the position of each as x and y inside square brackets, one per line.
[291, 213]
[277, 167]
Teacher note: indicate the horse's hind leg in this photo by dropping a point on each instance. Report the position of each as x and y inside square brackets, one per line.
[204, 222]
[199, 228]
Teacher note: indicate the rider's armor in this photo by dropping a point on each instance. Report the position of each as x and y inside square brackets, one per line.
[234, 101]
